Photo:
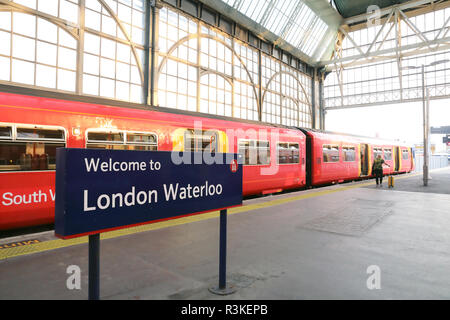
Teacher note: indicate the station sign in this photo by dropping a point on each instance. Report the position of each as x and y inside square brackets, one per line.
[446, 139]
[103, 190]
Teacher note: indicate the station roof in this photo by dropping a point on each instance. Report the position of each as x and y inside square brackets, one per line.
[305, 28]
[350, 8]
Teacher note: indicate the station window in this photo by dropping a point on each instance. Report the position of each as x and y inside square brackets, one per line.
[387, 154]
[122, 140]
[288, 153]
[255, 152]
[200, 141]
[25, 148]
[330, 153]
[405, 154]
[377, 152]
[349, 153]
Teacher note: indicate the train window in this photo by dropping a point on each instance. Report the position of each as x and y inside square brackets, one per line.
[330, 153]
[32, 149]
[255, 152]
[405, 154]
[349, 153]
[122, 140]
[200, 141]
[141, 138]
[5, 132]
[377, 152]
[387, 154]
[288, 153]
[105, 137]
[40, 134]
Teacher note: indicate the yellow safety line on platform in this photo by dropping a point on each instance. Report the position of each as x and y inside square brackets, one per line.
[59, 243]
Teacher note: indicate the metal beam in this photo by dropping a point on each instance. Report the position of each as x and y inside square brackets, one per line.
[68, 26]
[380, 55]
[404, 6]
[382, 103]
[80, 49]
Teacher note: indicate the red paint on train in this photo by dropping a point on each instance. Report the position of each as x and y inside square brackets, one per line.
[27, 158]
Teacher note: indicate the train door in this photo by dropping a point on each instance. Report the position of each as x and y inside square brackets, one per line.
[397, 158]
[364, 158]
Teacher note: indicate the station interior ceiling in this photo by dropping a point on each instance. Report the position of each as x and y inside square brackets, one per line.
[280, 62]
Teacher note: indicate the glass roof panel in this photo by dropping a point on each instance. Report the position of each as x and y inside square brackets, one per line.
[292, 20]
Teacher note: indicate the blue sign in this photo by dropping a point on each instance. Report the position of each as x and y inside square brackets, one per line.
[100, 190]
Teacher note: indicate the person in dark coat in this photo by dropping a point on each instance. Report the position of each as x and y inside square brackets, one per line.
[377, 169]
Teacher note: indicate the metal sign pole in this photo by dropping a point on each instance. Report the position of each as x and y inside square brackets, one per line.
[223, 289]
[223, 250]
[94, 267]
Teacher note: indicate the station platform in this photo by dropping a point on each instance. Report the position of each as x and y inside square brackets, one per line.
[320, 243]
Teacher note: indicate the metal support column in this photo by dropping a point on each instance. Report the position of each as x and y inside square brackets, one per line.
[425, 130]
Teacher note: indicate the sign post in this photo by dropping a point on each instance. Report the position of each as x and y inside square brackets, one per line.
[223, 289]
[104, 190]
[94, 267]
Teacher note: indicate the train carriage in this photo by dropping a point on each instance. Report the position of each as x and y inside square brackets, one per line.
[32, 128]
[334, 158]
[275, 158]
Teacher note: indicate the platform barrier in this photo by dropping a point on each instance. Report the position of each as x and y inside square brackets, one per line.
[436, 162]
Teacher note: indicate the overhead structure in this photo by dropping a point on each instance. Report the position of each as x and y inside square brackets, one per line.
[376, 47]
[305, 28]
[348, 9]
[195, 56]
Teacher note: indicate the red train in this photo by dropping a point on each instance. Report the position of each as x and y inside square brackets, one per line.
[276, 158]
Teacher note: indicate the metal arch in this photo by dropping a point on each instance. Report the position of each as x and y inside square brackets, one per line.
[285, 106]
[63, 24]
[279, 73]
[196, 35]
[205, 72]
[127, 36]
[293, 76]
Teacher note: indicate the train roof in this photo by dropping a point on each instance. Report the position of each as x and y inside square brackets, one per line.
[372, 140]
[111, 103]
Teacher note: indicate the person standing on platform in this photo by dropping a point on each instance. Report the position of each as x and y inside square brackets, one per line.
[377, 169]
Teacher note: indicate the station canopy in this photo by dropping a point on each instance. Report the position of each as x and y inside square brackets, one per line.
[350, 8]
[306, 28]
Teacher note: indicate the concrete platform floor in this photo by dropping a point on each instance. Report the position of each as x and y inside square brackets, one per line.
[439, 183]
[315, 244]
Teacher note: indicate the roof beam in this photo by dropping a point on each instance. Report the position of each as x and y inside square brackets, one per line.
[384, 11]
